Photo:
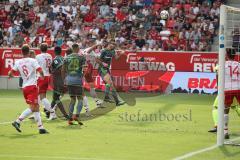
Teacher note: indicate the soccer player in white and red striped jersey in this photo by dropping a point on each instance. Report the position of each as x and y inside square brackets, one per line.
[232, 85]
[45, 60]
[28, 68]
[90, 56]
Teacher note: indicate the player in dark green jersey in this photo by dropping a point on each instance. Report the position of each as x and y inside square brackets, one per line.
[73, 69]
[105, 61]
[58, 82]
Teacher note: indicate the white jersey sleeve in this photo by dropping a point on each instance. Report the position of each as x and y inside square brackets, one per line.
[232, 75]
[45, 61]
[27, 68]
[90, 56]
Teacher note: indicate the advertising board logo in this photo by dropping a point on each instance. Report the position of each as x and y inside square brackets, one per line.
[203, 64]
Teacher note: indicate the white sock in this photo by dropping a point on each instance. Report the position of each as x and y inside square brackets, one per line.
[39, 100]
[85, 103]
[93, 93]
[24, 114]
[38, 119]
[226, 118]
[47, 105]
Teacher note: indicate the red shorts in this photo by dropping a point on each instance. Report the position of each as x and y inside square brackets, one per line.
[88, 77]
[229, 96]
[43, 84]
[88, 73]
[30, 94]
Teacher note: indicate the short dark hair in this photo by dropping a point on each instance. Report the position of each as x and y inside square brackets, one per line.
[43, 47]
[32, 53]
[75, 47]
[230, 52]
[25, 49]
[57, 50]
[69, 51]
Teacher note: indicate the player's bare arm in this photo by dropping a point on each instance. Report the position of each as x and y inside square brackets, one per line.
[40, 71]
[63, 71]
[10, 74]
[99, 61]
[93, 47]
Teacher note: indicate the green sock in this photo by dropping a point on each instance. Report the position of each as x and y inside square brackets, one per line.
[215, 116]
[115, 95]
[107, 90]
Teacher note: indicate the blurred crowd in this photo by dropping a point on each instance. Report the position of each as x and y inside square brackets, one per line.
[191, 25]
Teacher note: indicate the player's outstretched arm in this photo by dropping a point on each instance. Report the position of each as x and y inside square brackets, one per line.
[40, 71]
[63, 71]
[13, 70]
[93, 47]
[10, 73]
[100, 62]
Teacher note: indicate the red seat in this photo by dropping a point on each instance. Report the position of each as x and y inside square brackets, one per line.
[166, 2]
[158, 1]
[157, 7]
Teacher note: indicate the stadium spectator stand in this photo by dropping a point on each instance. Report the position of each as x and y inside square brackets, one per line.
[133, 24]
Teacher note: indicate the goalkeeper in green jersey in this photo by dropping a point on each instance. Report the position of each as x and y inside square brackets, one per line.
[215, 108]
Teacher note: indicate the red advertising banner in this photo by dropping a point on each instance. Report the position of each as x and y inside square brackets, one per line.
[137, 61]
[147, 71]
[9, 56]
[167, 61]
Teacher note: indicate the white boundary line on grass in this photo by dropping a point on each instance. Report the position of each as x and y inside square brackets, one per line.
[188, 155]
[48, 157]
[2, 123]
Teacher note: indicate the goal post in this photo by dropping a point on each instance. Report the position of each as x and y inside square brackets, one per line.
[229, 37]
[221, 73]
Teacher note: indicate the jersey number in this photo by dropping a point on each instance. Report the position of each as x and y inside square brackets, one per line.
[74, 65]
[234, 72]
[25, 70]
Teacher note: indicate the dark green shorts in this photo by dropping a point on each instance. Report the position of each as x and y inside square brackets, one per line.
[103, 72]
[75, 90]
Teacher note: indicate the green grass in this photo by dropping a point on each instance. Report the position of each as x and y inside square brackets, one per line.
[110, 136]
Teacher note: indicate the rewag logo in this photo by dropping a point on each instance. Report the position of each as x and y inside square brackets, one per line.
[149, 64]
[10, 58]
[203, 64]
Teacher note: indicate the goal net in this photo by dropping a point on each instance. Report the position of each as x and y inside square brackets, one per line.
[229, 73]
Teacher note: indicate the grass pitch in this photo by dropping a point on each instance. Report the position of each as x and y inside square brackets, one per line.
[135, 131]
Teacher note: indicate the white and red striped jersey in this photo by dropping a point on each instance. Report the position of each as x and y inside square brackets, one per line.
[27, 68]
[232, 75]
[45, 61]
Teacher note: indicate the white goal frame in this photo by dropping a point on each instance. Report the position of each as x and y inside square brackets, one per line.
[221, 72]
